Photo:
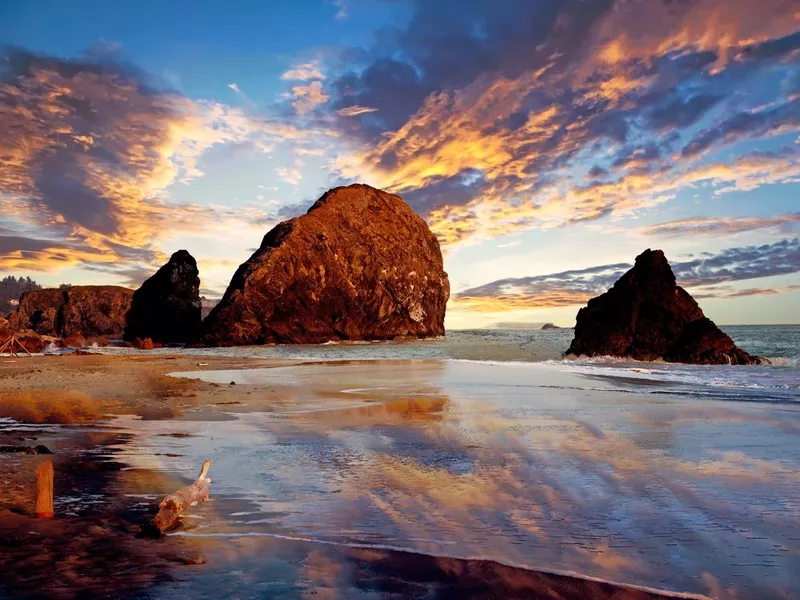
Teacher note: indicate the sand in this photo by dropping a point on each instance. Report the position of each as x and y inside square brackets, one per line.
[105, 490]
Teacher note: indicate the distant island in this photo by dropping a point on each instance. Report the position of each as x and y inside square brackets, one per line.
[550, 326]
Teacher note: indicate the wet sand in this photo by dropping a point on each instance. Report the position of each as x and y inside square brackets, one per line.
[398, 479]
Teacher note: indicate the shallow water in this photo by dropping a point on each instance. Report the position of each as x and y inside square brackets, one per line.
[779, 382]
[526, 464]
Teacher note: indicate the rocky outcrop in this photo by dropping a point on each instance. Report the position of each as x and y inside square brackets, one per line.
[548, 326]
[646, 316]
[39, 310]
[88, 310]
[167, 307]
[359, 265]
[143, 344]
[73, 340]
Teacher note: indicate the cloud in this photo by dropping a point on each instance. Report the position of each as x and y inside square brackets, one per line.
[566, 288]
[741, 263]
[354, 111]
[235, 88]
[716, 226]
[89, 150]
[342, 9]
[515, 97]
[308, 97]
[783, 118]
[576, 287]
[304, 72]
[292, 176]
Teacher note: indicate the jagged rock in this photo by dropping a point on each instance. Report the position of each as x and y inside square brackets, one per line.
[646, 316]
[91, 310]
[73, 340]
[39, 310]
[167, 307]
[359, 265]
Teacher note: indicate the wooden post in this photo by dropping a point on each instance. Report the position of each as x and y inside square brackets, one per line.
[171, 507]
[44, 490]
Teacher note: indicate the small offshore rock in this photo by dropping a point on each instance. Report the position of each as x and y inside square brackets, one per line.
[143, 344]
[647, 316]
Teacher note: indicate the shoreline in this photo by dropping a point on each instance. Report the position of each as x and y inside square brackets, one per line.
[68, 422]
[95, 411]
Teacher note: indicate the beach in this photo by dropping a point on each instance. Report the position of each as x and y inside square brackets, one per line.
[418, 477]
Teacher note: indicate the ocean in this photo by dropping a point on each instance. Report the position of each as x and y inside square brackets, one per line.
[778, 382]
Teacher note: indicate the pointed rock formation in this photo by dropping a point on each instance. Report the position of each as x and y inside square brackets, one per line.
[646, 316]
[91, 310]
[167, 307]
[359, 265]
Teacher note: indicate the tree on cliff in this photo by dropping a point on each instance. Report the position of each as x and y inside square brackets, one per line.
[11, 288]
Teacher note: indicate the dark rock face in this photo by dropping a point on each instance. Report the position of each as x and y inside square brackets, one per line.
[646, 316]
[167, 306]
[91, 310]
[359, 265]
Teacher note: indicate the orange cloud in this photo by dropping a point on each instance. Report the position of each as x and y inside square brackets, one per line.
[645, 30]
[308, 97]
[516, 137]
[545, 299]
[90, 152]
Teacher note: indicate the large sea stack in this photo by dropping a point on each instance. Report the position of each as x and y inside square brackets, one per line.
[359, 265]
[167, 307]
[90, 310]
[646, 316]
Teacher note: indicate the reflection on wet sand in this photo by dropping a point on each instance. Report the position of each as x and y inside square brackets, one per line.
[545, 476]
[90, 548]
[437, 479]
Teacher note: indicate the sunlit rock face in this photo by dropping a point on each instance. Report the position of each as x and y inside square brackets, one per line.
[167, 307]
[359, 265]
[91, 310]
[646, 316]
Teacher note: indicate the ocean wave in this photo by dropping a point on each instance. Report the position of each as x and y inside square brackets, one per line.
[766, 382]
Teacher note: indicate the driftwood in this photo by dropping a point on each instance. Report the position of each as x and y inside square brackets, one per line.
[171, 507]
[44, 490]
[12, 344]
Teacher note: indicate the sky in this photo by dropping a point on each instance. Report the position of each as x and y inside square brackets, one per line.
[546, 143]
